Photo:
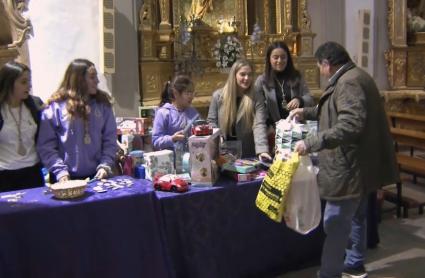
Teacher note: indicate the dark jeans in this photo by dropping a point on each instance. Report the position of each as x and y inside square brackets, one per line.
[23, 178]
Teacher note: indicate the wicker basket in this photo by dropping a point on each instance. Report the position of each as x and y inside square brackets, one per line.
[69, 189]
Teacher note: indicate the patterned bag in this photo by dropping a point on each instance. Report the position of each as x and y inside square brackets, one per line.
[271, 198]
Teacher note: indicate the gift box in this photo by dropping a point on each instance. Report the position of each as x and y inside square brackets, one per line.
[204, 150]
[159, 163]
[132, 125]
[242, 166]
[239, 177]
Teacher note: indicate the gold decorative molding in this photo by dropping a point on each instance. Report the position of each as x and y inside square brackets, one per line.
[405, 101]
[164, 51]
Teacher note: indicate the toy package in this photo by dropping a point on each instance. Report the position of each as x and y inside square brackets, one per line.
[133, 125]
[204, 150]
[159, 163]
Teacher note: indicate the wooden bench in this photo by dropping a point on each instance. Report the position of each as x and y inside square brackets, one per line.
[406, 121]
[409, 163]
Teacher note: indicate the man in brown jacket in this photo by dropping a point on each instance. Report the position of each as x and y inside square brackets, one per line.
[356, 157]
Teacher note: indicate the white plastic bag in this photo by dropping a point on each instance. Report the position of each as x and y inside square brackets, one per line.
[303, 208]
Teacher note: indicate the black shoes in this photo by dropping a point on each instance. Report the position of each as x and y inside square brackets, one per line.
[354, 272]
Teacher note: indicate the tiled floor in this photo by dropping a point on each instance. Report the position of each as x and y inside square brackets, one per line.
[401, 253]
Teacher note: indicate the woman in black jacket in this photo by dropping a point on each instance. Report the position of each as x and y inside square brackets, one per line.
[20, 165]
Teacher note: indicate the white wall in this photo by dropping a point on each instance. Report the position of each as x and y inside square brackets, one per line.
[337, 20]
[69, 29]
[63, 30]
[352, 31]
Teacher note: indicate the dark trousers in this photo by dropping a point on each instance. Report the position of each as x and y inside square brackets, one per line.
[23, 178]
[372, 220]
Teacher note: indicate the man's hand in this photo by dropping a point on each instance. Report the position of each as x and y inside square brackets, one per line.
[300, 147]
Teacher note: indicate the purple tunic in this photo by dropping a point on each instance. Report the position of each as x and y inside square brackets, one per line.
[168, 120]
[61, 143]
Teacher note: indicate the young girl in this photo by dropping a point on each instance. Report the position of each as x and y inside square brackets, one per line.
[240, 113]
[78, 130]
[20, 166]
[174, 114]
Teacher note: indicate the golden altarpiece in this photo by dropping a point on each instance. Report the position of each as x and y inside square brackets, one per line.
[162, 51]
[14, 30]
[406, 56]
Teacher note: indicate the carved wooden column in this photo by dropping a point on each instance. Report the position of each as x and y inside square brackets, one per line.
[305, 45]
[165, 31]
[14, 30]
[287, 18]
[154, 46]
[396, 56]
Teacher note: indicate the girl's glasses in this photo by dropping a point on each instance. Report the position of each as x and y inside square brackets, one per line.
[189, 94]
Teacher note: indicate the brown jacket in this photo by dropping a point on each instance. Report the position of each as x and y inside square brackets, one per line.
[356, 152]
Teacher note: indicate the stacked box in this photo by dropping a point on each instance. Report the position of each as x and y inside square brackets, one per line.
[287, 134]
[242, 166]
[159, 163]
[204, 150]
[132, 125]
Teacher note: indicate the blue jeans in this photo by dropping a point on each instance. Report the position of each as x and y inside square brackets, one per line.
[345, 224]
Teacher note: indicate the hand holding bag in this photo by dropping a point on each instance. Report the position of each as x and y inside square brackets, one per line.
[271, 198]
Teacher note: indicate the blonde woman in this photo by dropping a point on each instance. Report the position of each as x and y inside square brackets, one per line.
[240, 113]
[77, 136]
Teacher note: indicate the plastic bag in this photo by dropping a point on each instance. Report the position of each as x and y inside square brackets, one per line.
[271, 198]
[303, 207]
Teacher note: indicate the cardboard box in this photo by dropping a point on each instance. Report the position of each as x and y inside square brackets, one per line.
[159, 163]
[132, 125]
[204, 150]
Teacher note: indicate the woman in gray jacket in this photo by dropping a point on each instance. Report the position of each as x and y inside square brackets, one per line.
[281, 84]
[240, 113]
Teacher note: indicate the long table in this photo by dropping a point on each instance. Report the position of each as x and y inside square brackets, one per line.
[137, 232]
[112, 234]
[219, 232]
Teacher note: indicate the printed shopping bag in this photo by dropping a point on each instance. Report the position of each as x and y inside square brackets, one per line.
[271, 198]
[303, 208]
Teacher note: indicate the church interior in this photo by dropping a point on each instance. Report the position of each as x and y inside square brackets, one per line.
[139, 45]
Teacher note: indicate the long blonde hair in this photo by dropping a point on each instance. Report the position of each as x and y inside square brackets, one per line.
[229, 112]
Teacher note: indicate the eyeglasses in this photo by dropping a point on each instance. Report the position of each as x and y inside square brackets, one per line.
[189, 94]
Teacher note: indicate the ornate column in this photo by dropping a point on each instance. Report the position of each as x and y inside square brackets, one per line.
[305, 45]
[165, 31]
[14, 30]
[396, 56]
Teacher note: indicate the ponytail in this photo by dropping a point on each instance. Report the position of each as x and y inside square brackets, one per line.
[179, 84]
[166, 94]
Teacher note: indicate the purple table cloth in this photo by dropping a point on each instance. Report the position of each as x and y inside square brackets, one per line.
[112, 234]
[219, 232]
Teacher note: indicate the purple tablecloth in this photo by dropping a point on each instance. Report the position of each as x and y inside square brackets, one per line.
[219, 232]
[112, 234]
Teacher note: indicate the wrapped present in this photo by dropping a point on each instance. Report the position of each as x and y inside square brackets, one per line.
[241, 166]
[287, 134]
[204, 150]
[132, 125]
[159, 163]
